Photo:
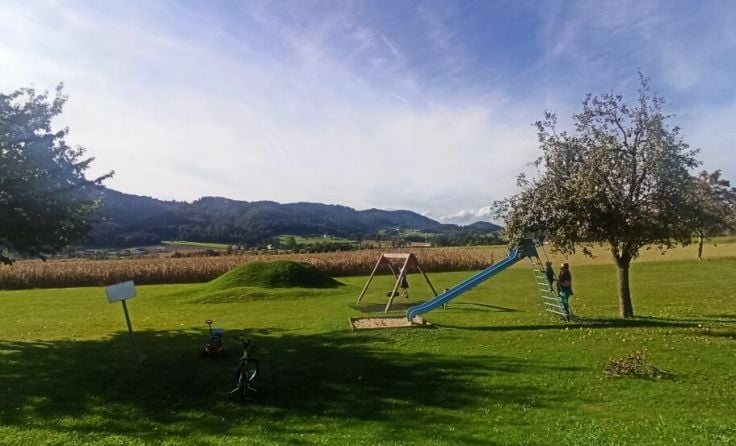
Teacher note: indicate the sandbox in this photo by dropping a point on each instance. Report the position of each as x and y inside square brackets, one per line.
[369, 323]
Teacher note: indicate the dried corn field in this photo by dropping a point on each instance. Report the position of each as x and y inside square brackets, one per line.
[68, 273]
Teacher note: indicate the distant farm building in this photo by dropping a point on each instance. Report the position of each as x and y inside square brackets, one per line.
[420, 245]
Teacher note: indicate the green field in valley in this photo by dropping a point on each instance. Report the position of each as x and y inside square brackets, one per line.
[201, 245]
[493, 369]
[301, 241]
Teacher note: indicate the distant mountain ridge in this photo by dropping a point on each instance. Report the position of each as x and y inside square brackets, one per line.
[128, 220]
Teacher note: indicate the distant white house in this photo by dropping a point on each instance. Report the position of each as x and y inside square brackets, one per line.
[420, 245]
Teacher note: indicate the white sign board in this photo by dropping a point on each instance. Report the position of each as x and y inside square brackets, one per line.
[120, 291]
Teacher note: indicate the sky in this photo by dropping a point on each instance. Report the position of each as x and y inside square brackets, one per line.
[390, 104]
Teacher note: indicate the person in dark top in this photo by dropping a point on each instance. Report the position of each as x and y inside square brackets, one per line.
[404, 287]
[550, 274]
[564, 289]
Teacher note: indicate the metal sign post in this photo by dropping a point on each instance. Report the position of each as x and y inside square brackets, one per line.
[122, 292]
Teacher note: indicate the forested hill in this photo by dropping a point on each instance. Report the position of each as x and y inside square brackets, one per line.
[129, 220]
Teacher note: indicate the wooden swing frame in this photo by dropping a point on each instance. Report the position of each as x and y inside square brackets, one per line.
[410, 260]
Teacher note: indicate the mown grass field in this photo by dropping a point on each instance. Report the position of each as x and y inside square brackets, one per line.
[494, 369]
[301, 241]
[200, 245]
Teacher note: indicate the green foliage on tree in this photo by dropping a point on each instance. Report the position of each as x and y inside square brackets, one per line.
[621, 178]
[717, 207]
[45, 199]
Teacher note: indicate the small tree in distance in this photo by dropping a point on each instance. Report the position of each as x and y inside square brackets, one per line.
[45, 199]
[290, 243]
[620, 179]
[718, 207]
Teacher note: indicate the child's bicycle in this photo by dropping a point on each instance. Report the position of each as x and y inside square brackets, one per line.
[247, 370]
[214, 348]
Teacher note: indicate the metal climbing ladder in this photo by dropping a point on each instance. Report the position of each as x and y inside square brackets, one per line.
[549, 298]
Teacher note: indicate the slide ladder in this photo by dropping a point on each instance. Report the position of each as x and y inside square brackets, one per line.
[526, 248]
[549, 297]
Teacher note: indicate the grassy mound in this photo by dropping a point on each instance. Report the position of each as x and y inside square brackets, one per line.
[280, 274]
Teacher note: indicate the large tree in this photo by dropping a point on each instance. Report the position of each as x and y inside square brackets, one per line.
[45, 199]
[718, 207]
[619, 178]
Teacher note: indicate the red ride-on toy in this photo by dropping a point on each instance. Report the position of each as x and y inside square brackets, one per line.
[214, 348]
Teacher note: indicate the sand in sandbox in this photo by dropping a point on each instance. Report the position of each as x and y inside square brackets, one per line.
[364, 323]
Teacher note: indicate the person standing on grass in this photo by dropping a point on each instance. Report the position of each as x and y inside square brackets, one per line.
[404, 287]
[564, 289]
[550, 274]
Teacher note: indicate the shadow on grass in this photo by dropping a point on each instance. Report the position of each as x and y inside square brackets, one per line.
[397, 305]
[403, 305]
[305, 383]
[584, 323]
[476, 306]
[722, 334]
[721, 317]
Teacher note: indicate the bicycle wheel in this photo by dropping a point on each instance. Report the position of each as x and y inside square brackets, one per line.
[251, 369]
[242, 385]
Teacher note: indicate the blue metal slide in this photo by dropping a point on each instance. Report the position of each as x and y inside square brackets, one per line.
[514, 256]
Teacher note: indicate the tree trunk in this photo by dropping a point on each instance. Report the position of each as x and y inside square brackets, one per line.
[700, 247]
[626, 308]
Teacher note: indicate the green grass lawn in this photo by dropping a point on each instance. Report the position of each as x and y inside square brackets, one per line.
[494, 369]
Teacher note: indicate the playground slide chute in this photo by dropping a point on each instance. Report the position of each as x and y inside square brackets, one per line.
[514, 256]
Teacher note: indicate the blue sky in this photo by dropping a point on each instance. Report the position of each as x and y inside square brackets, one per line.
[421, 105]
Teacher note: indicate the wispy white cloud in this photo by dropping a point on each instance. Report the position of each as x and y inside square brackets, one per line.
[712, 130]
[688, 49]
[468, 216]
[276, 101]
[452, 56]
[681, 44]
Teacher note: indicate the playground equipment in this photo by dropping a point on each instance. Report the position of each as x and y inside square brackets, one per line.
[214, 348]
[246, 371]
[525, 248]
[409, 261]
